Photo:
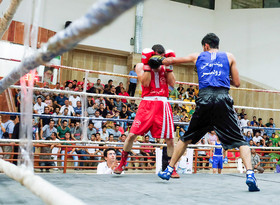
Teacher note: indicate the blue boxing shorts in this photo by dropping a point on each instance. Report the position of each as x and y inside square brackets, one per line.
[217, 162]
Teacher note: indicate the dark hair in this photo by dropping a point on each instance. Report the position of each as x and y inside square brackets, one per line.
[64, 120]
[48, 138]
[75, 80]
[271, 118]
[107, 150]
[51, 120]
[90, 123]
[111, 135]
[158, 48]
[68, 132]
[13, 117]
[211, 39]
[134, 66]
[123, 135]
[55, 134]
[39, 97]
[259, 119]
[109, 81]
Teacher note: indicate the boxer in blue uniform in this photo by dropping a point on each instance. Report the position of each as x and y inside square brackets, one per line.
[216, 71]
[218, 160]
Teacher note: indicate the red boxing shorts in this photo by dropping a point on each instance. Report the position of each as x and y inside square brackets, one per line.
[154, 114]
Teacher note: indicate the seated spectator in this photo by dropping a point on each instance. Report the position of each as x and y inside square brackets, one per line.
[181, 89]
[90, 101]
[183, 128]
[61, 130]
[108, 86]
[90, 130]
[91, 110]
[99, 87]
[110, 163]
[70, 108]
[35, 96]
[116, 132]
[35, 130]
[121, 140]
[65, 113]
[49, 102]
[100, 100]
[254, 121]
[45, 120]
[98, 122]
[190, 89]
[110, 105]
[123, 93]
[192, 110]
[103, 112]
[124, 114]
[56, 113]
[46, 149]
[91, 88]
[257, 138]
[47, 130]
[104, 134]
[39, 106]
[78, 109]
[211, 138]
[119, 104]
[94, 151]
[176, 117]
[111, 92]
[133, 105]
[136, 153]
[69, 85]
[74, 84]
[82, 151]
[270, 124]
[73, 99]
[256, 161]
[60, 100]
[173, 92]
[191, 97]
[251, 143]
[196, 91]
[119, 88]
[76, 133]
[70, 150]
[242, 114]
[147, 152]
[248, 137]
[180, 98]
[111, 139]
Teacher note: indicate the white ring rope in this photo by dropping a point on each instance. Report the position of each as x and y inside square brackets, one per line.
[121, 143]
[100, 14]
[134, 98]
[43, 189]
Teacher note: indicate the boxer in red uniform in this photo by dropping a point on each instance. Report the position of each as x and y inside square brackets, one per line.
[154, 112]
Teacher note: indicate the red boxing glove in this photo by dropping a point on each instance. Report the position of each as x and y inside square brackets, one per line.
[169, 53]
[147, 53]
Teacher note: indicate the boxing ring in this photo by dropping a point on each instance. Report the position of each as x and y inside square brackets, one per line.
[149, 189]
[111, 189]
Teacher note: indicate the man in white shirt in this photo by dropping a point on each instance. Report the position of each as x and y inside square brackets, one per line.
[73, 99]
[69, 107]
[39, 106]
[244, 121]
[110, 163]
[257, 138]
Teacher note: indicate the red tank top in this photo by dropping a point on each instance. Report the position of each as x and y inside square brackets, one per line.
[158, 85]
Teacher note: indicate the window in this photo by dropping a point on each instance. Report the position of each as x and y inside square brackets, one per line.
[208, 4]
[246, 4]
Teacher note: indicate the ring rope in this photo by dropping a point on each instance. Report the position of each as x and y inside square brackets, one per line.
[129, 76]
[134, 98]
[122, 143]
[100, 14]
[49, 193]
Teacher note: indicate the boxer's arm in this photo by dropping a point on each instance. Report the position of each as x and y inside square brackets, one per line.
[143, 77]
[235, 81]
[170, 77]
[178, 60]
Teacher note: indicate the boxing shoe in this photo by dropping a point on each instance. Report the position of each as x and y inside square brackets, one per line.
[122, 164]
[175, 175]
[166, 174]
[251, 181]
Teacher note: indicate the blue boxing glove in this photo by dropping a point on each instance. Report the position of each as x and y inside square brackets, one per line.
[225, 161]
[211, 160]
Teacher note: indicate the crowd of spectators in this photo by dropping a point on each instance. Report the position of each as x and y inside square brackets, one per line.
[98, 108]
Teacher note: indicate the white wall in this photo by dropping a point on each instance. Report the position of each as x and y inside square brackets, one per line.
[252, 35]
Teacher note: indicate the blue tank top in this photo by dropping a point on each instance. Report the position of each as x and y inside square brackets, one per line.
[213, 70]
[218, 151]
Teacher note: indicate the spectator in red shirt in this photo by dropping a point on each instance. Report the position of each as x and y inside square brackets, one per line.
[123, 93]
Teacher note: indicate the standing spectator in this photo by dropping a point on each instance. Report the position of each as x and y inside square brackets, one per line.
[108, 86]
[69, 107]
[73, 99]
[46, 149]
[99, 87]
[61, 130]
[47, 130]
[2, 128]
[256, 161]
[9, 127]
[55, 149]
[119, 88]
[123, 93]
[39, 106]
[60, 100]
[110, 163]
[132, 83]
[97, 123]
[69, 150]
